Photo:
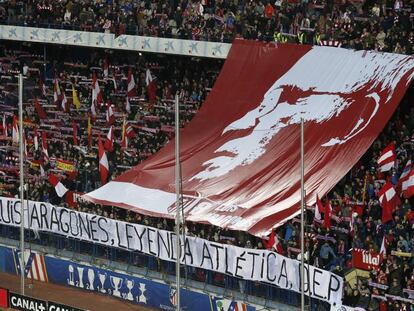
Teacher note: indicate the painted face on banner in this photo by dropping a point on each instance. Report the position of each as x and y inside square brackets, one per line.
[316, 97]
[240, 155]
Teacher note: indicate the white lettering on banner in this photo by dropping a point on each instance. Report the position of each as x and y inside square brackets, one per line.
[248, 264]
[369, 259]
[20, 302]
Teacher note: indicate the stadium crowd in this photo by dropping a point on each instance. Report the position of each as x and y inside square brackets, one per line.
[356, 218]
[385, 25]
[75, 162]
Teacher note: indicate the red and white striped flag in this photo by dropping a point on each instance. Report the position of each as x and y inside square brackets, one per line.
[389, 200]
[127, 105]
[35, 139]
[106, 67]
[318, 209]
[93, 110]
[114, 82]
[42, 87]
[75, 133]
[59, 187]
[405, 174]
[124, 138]
[64, 103]
[110, 115]
[127, 133]
[130, 133]
[15, 135]
[327, 216]
[273, 242]
[40, 111]
[96, 91]
[4, 126]
[408, 185]
[109, 141]
[383, 250]
[386, 161]
[103, 162]
[42, 170]
[45, 153]
[351, 225]
[151, 87]
[131, 90]
[57, 94]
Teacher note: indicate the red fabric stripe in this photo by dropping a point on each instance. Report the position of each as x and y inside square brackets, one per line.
[42, 261]
[36, 267]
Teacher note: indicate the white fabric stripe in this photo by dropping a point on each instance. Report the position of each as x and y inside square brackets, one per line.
[389, 194]
[385, 156]
[407, 183]
[33, 269]
[153, 200]
[387, 167]
[38, 260]
[407, 169]
[104, 161]
[131, 84]
[60, 189]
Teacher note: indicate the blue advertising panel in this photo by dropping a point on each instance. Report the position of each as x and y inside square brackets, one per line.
[106, 282]
[130, 288]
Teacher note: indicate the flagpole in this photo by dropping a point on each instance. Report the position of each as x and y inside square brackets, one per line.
[302, 217]
[178, 203]
[21, 146]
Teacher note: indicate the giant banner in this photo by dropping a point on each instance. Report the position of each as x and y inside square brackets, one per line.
[244, 263]
[240, 155]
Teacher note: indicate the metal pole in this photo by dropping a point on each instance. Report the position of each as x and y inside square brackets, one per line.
[183, 225]
[21, 145]
[302, 218]
[177, 191]
[44, 63]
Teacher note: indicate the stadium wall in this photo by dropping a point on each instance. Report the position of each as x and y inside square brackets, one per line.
[134, 289]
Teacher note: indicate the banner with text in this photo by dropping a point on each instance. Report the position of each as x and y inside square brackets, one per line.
[248, 264]
[366, 260]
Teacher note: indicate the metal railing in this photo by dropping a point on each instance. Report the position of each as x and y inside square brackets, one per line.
[265, 293]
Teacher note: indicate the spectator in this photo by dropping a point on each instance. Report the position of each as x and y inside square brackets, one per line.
[359, 25]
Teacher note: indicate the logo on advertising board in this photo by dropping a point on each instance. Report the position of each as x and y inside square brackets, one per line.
[24, 303]
[34, 264]
[53, 306]
[115, 285]
[173, 296]
[366, 260]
